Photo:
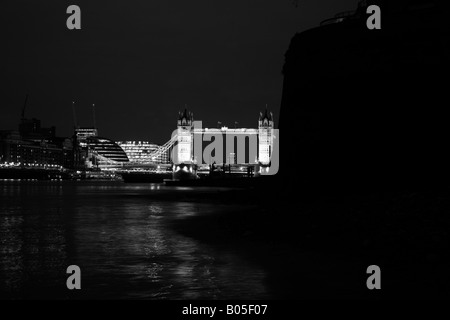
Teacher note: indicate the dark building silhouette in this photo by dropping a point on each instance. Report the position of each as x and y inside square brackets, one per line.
[31, 129]
[34, 146]
[367, 108]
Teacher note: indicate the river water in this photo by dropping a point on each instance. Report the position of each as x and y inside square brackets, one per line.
[121, 238]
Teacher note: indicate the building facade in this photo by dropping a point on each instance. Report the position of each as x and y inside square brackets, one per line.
[17, 151]
[80, 155]
[104, 153]
[142, 152]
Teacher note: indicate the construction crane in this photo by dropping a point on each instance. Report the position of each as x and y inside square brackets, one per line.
[74, 114]
[24, 106]
[93, 115]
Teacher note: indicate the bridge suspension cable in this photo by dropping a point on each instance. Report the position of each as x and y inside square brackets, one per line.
[163, 149]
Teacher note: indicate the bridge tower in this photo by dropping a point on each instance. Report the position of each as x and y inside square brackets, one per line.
[183, 166]
[185, 137]
[265, 135]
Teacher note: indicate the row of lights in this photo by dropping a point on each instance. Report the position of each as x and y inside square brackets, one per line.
[16, 164]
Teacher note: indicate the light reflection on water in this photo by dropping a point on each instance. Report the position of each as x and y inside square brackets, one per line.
[122, 240]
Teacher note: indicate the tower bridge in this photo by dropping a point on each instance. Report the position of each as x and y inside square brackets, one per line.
[252, 145]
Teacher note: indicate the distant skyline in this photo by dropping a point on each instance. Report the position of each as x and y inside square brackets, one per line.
[141, 62]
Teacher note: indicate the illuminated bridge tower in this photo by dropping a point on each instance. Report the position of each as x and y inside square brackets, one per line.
[184, 167]
[265, 135]
[185, 141]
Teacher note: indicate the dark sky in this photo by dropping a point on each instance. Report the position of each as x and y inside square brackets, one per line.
[141, 61]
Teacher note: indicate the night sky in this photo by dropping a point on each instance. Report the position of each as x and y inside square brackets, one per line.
[141, 61]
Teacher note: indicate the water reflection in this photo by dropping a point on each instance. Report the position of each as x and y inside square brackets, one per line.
[121, 239]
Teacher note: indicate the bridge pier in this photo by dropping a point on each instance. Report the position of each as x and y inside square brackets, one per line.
[184, 171]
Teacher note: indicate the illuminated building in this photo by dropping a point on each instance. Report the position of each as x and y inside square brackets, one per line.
[143, 152]
[104, 153]
[83, 133]
[94, 152]
[80, 146]
[29, 153]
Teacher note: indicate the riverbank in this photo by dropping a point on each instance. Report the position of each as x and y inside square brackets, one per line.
[323, 247]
